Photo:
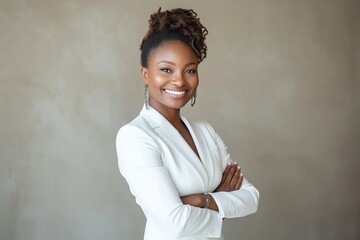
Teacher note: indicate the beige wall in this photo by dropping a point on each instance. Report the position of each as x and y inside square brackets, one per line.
[281, 85]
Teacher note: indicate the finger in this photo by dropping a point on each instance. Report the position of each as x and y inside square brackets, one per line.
[235, 178]
[238, 184]
[226, 171]
[228, 166]
[230, 174]
[234, 166]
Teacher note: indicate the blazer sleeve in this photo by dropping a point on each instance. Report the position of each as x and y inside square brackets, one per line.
[140, 163]
[237, 203]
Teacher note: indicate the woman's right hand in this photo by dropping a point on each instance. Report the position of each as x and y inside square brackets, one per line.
[231, 179]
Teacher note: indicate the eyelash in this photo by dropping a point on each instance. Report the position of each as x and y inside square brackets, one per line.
[167, 70]
[191, 71]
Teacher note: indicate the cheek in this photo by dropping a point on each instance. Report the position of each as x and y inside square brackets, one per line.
[156, 78]
[155, 83]
[195, 82]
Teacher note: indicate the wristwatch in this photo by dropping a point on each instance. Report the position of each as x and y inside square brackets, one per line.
[207, 200]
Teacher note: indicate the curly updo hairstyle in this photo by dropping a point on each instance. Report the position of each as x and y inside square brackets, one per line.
[176, 24]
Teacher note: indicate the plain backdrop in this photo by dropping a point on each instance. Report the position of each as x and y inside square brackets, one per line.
[281, 85]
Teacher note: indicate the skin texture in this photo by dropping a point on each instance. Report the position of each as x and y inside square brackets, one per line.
[173, 66]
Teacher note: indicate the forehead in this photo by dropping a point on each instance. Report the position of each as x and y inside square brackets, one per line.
[175, 51]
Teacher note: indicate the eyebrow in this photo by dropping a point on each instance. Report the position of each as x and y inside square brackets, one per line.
[171, 63]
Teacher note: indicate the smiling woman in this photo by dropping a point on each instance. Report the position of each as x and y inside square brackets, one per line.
[179, 172]
[171, 76]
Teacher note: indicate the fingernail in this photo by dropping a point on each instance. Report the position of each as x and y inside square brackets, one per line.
[241, 175]
[238, 167]
[229, 163]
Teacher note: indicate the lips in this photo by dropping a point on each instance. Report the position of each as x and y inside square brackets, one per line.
[174, 92]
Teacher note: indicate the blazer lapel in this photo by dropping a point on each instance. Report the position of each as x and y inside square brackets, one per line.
[171, 136]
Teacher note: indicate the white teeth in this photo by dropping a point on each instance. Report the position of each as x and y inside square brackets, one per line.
[174, 92]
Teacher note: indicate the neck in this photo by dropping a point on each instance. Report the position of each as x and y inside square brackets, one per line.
[171, 114]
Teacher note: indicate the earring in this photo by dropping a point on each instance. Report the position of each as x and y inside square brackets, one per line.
[146, 96]
[193, 100]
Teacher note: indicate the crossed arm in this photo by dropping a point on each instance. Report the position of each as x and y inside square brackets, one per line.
[231, 181]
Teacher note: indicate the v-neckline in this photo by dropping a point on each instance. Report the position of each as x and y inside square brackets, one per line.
[192, 135]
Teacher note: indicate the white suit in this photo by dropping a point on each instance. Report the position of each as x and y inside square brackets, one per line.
[160, 167]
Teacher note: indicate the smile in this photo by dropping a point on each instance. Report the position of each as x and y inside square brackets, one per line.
[173, 92]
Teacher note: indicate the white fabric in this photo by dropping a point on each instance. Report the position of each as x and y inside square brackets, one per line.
[160, 167]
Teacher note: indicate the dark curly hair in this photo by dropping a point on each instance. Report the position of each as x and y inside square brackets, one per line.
[176, 24]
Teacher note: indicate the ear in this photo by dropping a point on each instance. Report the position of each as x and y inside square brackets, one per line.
[144, 75]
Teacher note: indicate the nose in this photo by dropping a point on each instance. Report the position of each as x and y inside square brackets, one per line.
[178, 80]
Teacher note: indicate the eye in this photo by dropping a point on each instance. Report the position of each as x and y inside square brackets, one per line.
[190, 71]
[165, 70]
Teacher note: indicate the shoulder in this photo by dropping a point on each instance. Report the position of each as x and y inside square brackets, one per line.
[137, 128]
[204, 127]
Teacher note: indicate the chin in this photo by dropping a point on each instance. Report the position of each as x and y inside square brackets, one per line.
[176, 106]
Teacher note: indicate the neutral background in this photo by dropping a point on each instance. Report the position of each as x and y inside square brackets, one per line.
[281, 85]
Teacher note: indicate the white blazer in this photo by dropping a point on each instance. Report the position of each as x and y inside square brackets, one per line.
[160, 167]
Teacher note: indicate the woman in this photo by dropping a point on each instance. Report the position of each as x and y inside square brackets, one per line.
[179, 172]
